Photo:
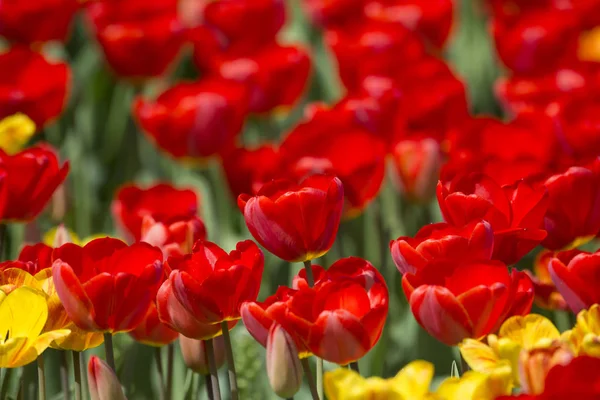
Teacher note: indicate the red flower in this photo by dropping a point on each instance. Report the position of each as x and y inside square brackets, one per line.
[262, 73]
[163, 202]
[417, 164]
[295, 222]
[515, 212]
[554, 41]
[245, 25]
[37, 257]
[32, 176]
[140, 39]
[326, 145]
[579, 379]
[174, 239]
[573, 207]
[373, 49]
[23, 91]
[576, 275]
[151, 331]
[454, 301]
[431, 19]
[248, 169]
[194, 119]
[546, 294]
[442, 242]
[107, 285]
[339, 320]
[41, 21]
[207, 287]
[329, 13]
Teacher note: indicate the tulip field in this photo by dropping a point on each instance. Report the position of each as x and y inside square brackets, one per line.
[299, 199]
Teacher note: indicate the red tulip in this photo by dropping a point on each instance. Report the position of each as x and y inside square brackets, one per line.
[576, 276]
[173, 239]
[22, 90]
[327, 145]
[246, 25]
[430, 19]
[546, 293]
[163, 202]
[140, 39]
[262, 73]
[416, 168]
[32, 176]
[579, 379]
[339, 320]
[42, 21]
[373, 49]
[106, 285]
[207, 287]
[515, 212]
[103, 382]
[442, 242]
[192, 120]
[295, 222]
[537, 42]
[454, 301]
[573, 207]
[248, 169]
[151, 331]
[332, 13]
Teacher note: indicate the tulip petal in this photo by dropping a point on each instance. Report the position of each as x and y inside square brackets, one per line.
[413, 381]
[529, 330]
[37, 346]
[437, 310]
[478, 356]
[77, 304]
[23, 313]
[9, 351]
[569, 286]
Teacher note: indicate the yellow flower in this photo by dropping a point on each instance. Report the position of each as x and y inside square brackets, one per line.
[15, 132]
[585, 336]
[23, 314]
[411, 383]
[517, 333]
[477, 385]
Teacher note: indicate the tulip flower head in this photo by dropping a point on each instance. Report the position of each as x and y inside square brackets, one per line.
[546, 293]
[94, 283]
[585, 335]
[283, 364]
[295, 222]
[194, 353]
[206, 288]
[103, 383]
[23, 314]
[15, 132]
[151, 331]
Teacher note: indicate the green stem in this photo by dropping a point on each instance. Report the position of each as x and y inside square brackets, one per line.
[354, 367]
[77, 374]
[64, 375]
[3, 246]
[310, 279]
[310, 379]
[108, 350]
[170, 362]
[320, 377]
[161, 372]
[207, 383]
[41, 378]
[230, 361]
[214, 374]
[6, 382]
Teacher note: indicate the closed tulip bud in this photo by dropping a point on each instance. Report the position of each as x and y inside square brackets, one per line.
[535, 364]
[103, 383]
[283, 364]
[62, 236]
[194, 353]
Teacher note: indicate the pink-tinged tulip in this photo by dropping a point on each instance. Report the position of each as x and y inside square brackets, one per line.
[151, 331]
[453, 301]
[194, 353]
[103, 383]
[283, 364]
[576, 275]
[295, 222]
[106, 285]
[534, 365]
[175, 239]
[207, 287]
[515, 212]
[416, 168]
[442, 242]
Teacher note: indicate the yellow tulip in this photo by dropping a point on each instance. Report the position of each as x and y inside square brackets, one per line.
[23, 314]
[411, 383]
[585, 336]
[475, 385]
[15, 132]
[502, 350]
[60, 235]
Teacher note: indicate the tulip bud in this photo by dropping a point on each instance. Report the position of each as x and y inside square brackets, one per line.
[417, 167]
[103, 383]
[194, 353]
[61, 236]
[283, 364]
[535, 364]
